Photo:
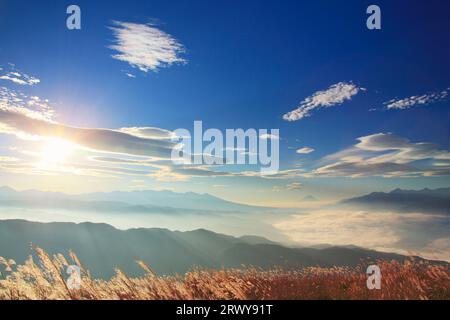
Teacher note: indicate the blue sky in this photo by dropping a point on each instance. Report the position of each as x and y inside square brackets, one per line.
[246, 65]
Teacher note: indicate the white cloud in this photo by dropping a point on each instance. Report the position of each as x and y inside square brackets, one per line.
[305, 150]
[153, 146]
[334, 95]
[413, 101]
[18, 77]
[388, 155]
[290, 187]
[31, 118]
[294, 186]
[144, 46]
[31, 106]
[149, 132]
[148, 144]
[279, 175]
[98, 139]
[340, 228]
[370, 229]
[267, 136]
[437, 249]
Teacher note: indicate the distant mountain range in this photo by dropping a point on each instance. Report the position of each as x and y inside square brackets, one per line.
[148, 201]
[102, 248]
[426, 200]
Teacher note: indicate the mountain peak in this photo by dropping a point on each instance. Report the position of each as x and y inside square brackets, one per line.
[425, 200]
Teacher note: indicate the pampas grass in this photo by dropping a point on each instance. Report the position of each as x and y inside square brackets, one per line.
[45, 280]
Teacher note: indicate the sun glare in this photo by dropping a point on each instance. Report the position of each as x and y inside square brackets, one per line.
[56, 151]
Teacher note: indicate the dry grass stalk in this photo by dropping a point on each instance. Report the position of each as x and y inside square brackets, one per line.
[400, 281]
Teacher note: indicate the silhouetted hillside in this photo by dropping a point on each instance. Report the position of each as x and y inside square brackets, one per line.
[102, 248]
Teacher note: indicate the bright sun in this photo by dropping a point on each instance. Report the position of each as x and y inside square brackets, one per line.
[56, 151]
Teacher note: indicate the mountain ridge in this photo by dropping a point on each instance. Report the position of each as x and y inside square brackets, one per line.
[101, 248]
[140, 201]
[426, 200]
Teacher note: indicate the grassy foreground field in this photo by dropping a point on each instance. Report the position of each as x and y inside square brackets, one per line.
[46, 279]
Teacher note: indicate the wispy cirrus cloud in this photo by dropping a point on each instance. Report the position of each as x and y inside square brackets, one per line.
[388, 155]
[419, 100]
[144, 46]
[11, 73]
[335, 95]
